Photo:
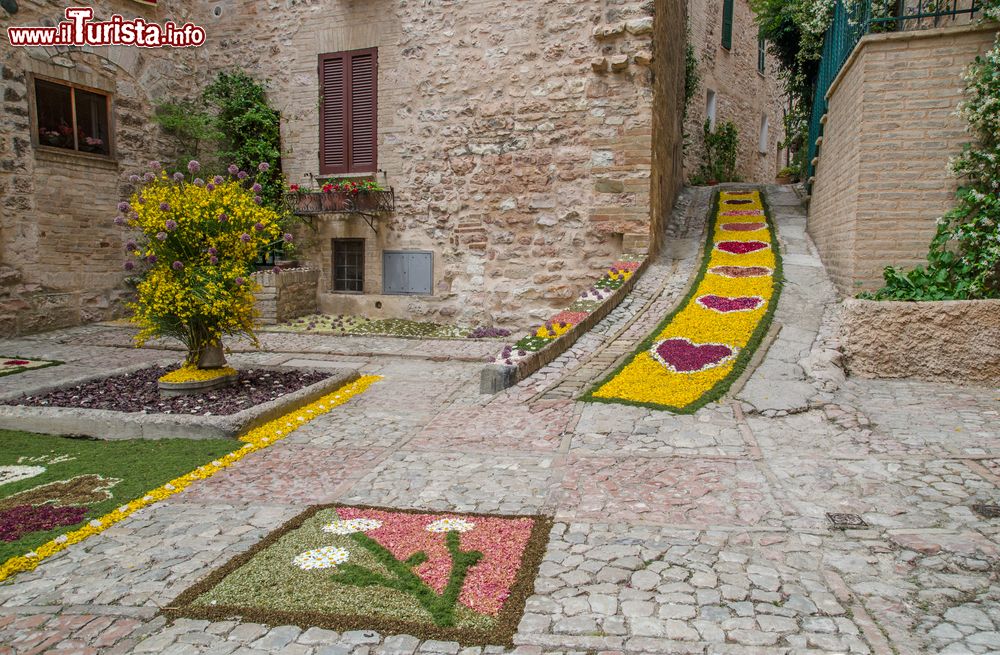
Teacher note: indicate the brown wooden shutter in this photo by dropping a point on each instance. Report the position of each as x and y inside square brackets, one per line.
[363, 95]
[349, 112]
[333, 130]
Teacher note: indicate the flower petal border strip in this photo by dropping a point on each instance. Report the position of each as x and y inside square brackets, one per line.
[702, 347]
[256, 439]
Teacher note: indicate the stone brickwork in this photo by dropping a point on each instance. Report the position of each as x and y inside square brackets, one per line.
[952, 341]
[743, 95]
[518, 158]
[286, 295]
[881, 179]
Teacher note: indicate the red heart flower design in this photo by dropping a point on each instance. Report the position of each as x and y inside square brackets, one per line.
[741, 247]
[680, 355]
[743, 227]
[725, 304]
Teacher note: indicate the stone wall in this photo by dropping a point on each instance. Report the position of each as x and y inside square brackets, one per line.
[286, 295]
[881, 179]
[954, 341]
[60, 254]
[518, 139]
[743, 95]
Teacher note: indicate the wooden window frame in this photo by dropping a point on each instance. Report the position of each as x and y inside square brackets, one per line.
[728, 17]
[349, 168]
[34, 124]
[333, 266]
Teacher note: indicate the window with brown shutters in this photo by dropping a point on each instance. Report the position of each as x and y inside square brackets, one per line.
[348, 112]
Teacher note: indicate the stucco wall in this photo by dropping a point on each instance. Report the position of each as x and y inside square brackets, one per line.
[743, 95]
[523, 165]
[882, 179]
[956, 341]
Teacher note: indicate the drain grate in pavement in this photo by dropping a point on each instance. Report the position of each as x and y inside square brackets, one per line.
[846, 521]
[987, 511]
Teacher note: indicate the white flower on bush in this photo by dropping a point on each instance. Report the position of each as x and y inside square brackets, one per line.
[327, 557]
[450, 525]
[351, 526]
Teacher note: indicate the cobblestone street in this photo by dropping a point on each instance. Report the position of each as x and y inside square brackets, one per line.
[706, 533]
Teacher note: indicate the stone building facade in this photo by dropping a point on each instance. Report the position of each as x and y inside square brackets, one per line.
[518, 141]
[738, 83]
[882, 177]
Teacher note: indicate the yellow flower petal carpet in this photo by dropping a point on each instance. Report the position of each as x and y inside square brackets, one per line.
[256, 439]
[700, 349]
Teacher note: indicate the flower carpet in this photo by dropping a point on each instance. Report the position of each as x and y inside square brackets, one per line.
[13, 365]
[458, 577]
[93, 479]
[699, 350]
[385, 327]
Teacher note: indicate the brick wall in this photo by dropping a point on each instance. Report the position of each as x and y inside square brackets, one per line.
[743, 95]
[882, 179]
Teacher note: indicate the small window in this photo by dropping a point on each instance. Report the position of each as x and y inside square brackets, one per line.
[761, 55]
[349, 265]
[727, 24]
[764, 136]
[72, 118]
[710, 109]
[407, 272]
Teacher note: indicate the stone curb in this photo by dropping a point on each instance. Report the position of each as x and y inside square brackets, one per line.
[109, 425]
[494, 378]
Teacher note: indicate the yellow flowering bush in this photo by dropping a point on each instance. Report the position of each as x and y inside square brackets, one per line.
[199, 242]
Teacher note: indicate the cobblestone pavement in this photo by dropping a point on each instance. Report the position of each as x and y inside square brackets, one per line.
[699, 534]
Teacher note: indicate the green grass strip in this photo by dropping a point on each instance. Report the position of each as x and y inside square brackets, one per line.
[746, 354]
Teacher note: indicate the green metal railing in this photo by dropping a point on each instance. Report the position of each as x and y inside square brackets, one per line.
[854, 19]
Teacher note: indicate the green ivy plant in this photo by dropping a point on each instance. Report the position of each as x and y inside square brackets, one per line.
[721, 150]
[964, 258]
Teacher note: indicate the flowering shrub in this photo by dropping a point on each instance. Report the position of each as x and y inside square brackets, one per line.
[198, 245]
[964, 258]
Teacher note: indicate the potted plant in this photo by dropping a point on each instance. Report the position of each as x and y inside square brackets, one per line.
[787, 175]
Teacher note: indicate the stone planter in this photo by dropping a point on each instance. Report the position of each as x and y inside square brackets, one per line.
[171, 389]
[952, 341]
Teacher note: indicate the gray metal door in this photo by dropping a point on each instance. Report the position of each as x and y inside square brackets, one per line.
[407, 272]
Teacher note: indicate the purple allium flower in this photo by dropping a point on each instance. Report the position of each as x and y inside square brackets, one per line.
[213, 260]
[164, 206]
[133, 216]
[171, 225]
[178, 177]
[129, 266]
[131, 245]
[263, 167]
[288, 237]
[240, 281]
[149, 177]
[123, 207]
[177, 266]
[199, 182]
[213, 251]
[194, 166]
[223, 218]
[218, 179]
[210, 186]
[162, 236]
[258, 200]
[134, 179]
[155, 165]
[245, 238]
[233, 169]
[119, 220]
[242, 175]
[256, 188]
[259, 226]
[151, 259]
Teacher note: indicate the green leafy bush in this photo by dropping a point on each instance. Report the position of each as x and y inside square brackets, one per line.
[721, 150]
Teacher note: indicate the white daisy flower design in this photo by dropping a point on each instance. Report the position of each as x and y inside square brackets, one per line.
[450, 525]
[327, 557]
[352, 525]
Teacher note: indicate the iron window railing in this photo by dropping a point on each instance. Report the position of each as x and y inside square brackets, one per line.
[854, 19]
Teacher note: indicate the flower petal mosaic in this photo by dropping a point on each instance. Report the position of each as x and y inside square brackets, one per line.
[456, 577]
[12, 365]
[702, 347]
